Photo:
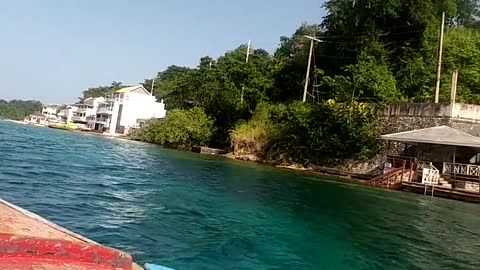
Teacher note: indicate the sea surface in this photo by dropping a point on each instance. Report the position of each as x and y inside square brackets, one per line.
[189, 212]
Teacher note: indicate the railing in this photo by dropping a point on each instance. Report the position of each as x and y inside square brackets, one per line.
[101, 120]
[397, 161]
[423, 165]
[105, 109]
[430, 175]
[111, 100]
[393, 178]
[408, 163]
[463, 176]
[461, 169]
[79, 118]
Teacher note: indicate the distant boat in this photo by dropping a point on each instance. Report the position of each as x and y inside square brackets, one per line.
[63, 126]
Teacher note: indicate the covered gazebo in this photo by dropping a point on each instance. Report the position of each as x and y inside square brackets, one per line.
[453, 152]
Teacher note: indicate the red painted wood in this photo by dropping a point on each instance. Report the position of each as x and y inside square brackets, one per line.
[27, 264]
[20, 249]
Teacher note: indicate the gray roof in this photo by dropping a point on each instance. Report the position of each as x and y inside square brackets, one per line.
[38, 114]
[442, 135]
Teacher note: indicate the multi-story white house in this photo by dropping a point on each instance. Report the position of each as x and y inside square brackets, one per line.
[50, 112]
[86, 112]
[67, 113]
[120, 111]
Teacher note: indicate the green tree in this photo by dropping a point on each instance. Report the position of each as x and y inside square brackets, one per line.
[101, 91]
[322, 133]
[218, 86]
[180, 128]
[18, 109]
[290, 63]
[462, 53]
[371, 51]
[369, 79]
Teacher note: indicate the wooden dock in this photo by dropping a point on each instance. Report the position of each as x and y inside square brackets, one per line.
[419, 188]
[439, 191]
[27, 241]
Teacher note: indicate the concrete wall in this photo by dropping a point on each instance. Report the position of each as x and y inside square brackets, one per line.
[409, 116]
[466, 112]
[416, 110]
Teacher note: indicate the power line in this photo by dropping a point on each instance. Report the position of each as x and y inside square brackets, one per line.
[369, 34]
[336, 57]
[359, 42]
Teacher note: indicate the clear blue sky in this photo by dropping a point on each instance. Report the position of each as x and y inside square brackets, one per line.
[51, 50]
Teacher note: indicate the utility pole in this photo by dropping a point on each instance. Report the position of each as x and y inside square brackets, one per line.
[246, 61]
[308, 71]
[248, 50]
[153, 84]
[454, 87]
[440, 50]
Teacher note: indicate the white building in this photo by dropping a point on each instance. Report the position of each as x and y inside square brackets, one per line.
[36, 119]
[50, 111]
[67, 113]
[122, 109]
[86, 112]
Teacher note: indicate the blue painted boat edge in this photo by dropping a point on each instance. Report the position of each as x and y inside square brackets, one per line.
[150, 266]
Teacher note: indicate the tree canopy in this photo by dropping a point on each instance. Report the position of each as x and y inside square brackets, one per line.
[182, 128]
[380, 51]
[101, 91]
[18, 109]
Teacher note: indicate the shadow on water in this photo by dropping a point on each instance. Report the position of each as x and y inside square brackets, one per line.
[195, 212]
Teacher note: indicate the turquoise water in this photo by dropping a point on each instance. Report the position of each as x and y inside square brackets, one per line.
[191, 212]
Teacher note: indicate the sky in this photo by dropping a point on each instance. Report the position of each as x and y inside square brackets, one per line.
[52, 50]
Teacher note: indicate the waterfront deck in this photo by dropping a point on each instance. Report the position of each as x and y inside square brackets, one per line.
[439, 191]
[457, 181]
[27, 241]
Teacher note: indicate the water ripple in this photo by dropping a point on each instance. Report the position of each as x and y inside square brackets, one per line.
[194, 212]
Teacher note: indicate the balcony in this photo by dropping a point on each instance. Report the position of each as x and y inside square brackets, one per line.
[79, 118]
[91, 119]
[102, 121]
[107, 110]
[112, 100]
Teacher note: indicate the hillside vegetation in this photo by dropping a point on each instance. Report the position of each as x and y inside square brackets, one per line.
[18, 109]
[376, 51]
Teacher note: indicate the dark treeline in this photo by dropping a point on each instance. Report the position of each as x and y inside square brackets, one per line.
[18, 109]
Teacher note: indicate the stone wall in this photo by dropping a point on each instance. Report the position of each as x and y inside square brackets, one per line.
[410, 116]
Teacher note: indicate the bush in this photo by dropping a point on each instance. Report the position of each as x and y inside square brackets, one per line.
[252, 136]
[181, 128]
[323, 133]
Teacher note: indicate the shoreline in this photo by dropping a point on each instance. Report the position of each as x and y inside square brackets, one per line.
[342, 175]
[333, 174]
[317, 171]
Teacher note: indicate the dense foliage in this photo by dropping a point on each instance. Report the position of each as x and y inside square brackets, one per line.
[323, 133]
[101, 91]
[379, 51]
[18, 109]
[180, 128]
[294, 133]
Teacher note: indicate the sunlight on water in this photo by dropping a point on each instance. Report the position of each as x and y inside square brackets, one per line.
[195, 212]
